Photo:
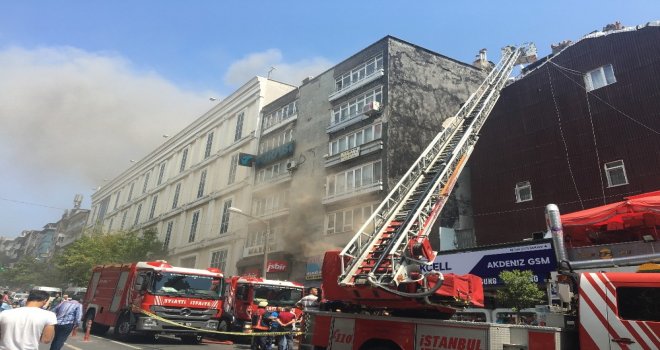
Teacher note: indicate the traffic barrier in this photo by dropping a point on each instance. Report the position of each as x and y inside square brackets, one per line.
[87, 330]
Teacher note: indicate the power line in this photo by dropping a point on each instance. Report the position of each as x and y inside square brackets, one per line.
[30, 203]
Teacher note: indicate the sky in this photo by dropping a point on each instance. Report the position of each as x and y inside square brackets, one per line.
[87, 86]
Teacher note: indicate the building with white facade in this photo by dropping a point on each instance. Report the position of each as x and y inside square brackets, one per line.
[184, 188]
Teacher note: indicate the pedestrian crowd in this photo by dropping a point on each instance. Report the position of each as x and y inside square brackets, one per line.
[280, 320]
[42, 319]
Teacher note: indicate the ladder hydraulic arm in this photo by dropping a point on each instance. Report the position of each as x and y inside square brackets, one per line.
[390, 246]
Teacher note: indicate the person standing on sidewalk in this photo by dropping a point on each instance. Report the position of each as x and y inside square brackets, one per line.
[24, 327]
[69, 316]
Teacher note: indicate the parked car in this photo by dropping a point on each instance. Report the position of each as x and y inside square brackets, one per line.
[19, 299]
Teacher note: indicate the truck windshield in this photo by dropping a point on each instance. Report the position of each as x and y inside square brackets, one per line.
[177, 284]
[277, 296]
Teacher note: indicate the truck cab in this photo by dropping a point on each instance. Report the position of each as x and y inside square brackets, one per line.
[243, 294]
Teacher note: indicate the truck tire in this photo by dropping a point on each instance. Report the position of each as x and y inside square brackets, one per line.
[191, 339]
[123, 327]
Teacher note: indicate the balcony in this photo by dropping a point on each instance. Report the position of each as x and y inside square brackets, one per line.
[362, 150]
[352, 193]
[279, 124]
[273, 181]
[374, 76]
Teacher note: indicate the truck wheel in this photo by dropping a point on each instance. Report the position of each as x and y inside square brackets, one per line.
[191, 339]
[123, 327]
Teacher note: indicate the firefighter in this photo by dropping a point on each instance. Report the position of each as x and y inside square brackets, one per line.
[261, 321]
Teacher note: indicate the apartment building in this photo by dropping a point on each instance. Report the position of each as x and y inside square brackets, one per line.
[578, 129]
[330, 150]
[184, 188]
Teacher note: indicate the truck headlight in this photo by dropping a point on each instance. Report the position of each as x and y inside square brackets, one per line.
[212, 324]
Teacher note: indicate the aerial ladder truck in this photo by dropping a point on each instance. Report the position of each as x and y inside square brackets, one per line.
[380, 266]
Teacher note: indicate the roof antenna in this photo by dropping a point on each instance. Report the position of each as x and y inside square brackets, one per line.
[270, 71]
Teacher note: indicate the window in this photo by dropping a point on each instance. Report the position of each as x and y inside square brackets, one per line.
[239, 126]
[224, 222]
[523, 192]
[117, 200]
[175, 201]
[202, 181]
[209, 144]
[161, 172]
[354, 107]
[193, 227]
[130, 192]
[616, 174]
[270, 203]
[359, 73]
[123, 220]
[184, 157]
[363, 176]
[146, 182]
[137, 215]
[232, 169]
[638, 303]
[168, 234]
[273, 141]
[348, 219]
[599, 77]
[219, 259]
[152, 211]
[280, 115]
[360, 137]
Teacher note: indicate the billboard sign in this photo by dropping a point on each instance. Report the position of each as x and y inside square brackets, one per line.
[539, 257]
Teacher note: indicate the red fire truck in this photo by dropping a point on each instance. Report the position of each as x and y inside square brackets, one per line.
[189, 297]
[243, 294]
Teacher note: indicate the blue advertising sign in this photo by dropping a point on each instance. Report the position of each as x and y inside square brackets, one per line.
[487, 264]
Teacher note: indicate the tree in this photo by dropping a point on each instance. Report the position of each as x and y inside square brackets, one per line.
[75, 263]
[519, 291]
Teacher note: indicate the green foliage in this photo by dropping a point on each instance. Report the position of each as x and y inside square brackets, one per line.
[519, 290]
[78, 259]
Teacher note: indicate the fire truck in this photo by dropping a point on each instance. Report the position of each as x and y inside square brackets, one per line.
[244, 293]
[377, 297]
[180, 297]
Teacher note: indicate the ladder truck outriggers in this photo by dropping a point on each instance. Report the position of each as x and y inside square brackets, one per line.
[376, 295]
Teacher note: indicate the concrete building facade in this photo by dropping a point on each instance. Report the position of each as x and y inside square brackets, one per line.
[183, 188]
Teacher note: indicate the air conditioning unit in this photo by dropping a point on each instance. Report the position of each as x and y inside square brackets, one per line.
[372, 108]
[290, 165]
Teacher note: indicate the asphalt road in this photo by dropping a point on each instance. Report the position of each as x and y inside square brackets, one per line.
[107, 342]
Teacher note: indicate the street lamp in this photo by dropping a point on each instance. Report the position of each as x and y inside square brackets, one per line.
[267, 235]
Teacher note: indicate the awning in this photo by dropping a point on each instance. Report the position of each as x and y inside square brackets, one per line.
[634, 219]
[633, 209]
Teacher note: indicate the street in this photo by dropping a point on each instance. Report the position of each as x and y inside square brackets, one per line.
[165, 342]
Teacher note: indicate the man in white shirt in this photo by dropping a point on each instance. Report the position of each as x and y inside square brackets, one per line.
[309, 301]
[23, 328]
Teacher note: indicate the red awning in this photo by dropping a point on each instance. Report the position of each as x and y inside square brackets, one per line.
[636, 218]
[641, 209]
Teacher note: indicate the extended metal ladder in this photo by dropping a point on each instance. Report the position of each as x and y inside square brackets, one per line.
[381, 251]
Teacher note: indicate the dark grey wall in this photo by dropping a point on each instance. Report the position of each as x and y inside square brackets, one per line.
[425, 88]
